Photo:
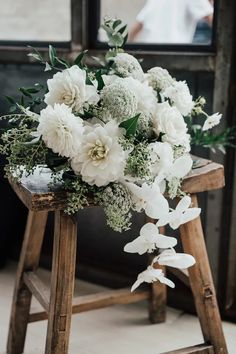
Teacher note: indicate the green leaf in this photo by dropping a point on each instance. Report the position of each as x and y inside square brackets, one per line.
[52, 55]
[99, 79]
[54, 160]
[62, 62]
[116, 23]
[130, 125]
[25, 92]
[10, 99]
[78, 60]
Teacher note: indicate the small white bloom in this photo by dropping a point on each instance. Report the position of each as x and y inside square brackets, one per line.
[149, 240]
[181, 215]
[179, 168]
[161, 155]
[149, 198]
[60, 129]
[211, 121]
[118, 101]
[151, 275]
[128, 66]
[159, 78]
[100, 159]
[180, 97]
[176, 260]
[69, 87]
[169, 121]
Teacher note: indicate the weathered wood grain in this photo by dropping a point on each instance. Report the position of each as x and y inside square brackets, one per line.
[96, 301]
[62, 284]
[201, 282]
[37, 288]
[196, 349]
[207, 175]
[29, 259]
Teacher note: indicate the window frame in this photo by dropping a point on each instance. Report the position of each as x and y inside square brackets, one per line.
[94, 7]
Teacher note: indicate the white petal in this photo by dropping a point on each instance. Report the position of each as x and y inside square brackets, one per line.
[190, 214]
[182, 166]
[149, 229]
[157, 208]
[175, 260]
[165, 241]
[166, 281]
[136, 246]
[168, 218]
[184, 203]
[136, 284]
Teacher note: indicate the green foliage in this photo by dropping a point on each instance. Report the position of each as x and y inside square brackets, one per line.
[116, 32]
[55, 63]
[77, 196]
[130, 125]
[213, 141]
[79, 59]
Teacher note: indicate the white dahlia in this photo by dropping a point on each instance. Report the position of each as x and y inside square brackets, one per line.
[100, 159]
[128, 66]
[159, 78]
[69, 87]
[170, 122]
[180, 96]
[60, 129]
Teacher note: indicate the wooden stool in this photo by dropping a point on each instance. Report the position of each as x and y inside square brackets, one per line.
[59, 303]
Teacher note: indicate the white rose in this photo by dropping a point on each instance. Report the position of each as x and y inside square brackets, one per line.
[169, 121]
[69, 87]
[100, 159]
[180, 97]
[60, 129]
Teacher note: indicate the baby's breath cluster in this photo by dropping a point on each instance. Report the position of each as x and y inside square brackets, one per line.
[116, 201]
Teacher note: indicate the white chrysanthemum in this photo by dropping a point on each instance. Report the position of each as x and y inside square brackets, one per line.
[212, 121]
[170, 122]
[60, 129]
[69, 87]
[128, 66]
[100, 159]
[180, 96]
[119, 100]
[159, 78]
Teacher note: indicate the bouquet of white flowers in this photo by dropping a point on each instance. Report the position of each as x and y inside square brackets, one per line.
[118, 134]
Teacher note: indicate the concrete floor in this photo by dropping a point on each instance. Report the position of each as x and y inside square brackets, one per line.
[114, 330]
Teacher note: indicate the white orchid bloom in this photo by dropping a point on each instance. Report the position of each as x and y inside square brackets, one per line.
[150, 275]
[180, 167]
[149, 198]
[180, 215]
[176, 260]
[149, 240]
[211, 121]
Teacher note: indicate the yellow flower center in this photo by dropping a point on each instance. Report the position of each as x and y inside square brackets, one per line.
[98, 151]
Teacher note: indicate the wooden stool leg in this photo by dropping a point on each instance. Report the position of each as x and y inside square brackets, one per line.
[202, 284]
[29, 260]
[158, 296]
[62, 284]
[157, 302]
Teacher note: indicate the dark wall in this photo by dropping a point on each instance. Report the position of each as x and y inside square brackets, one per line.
[99, 248]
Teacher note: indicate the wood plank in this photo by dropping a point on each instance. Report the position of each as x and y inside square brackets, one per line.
[197, 349]
[37, 288]
[206, 176]
[29, 260]
[202, 283]
[62, 284]
[180, 274]
[100, 300]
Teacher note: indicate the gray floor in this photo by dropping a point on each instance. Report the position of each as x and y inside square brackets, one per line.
[114, 330]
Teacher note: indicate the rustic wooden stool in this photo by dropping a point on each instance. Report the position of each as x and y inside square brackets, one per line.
[59, 303]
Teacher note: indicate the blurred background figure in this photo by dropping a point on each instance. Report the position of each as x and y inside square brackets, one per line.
[168, 21]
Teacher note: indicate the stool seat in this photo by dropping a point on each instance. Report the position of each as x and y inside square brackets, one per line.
[58, 302]
[205, 175]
